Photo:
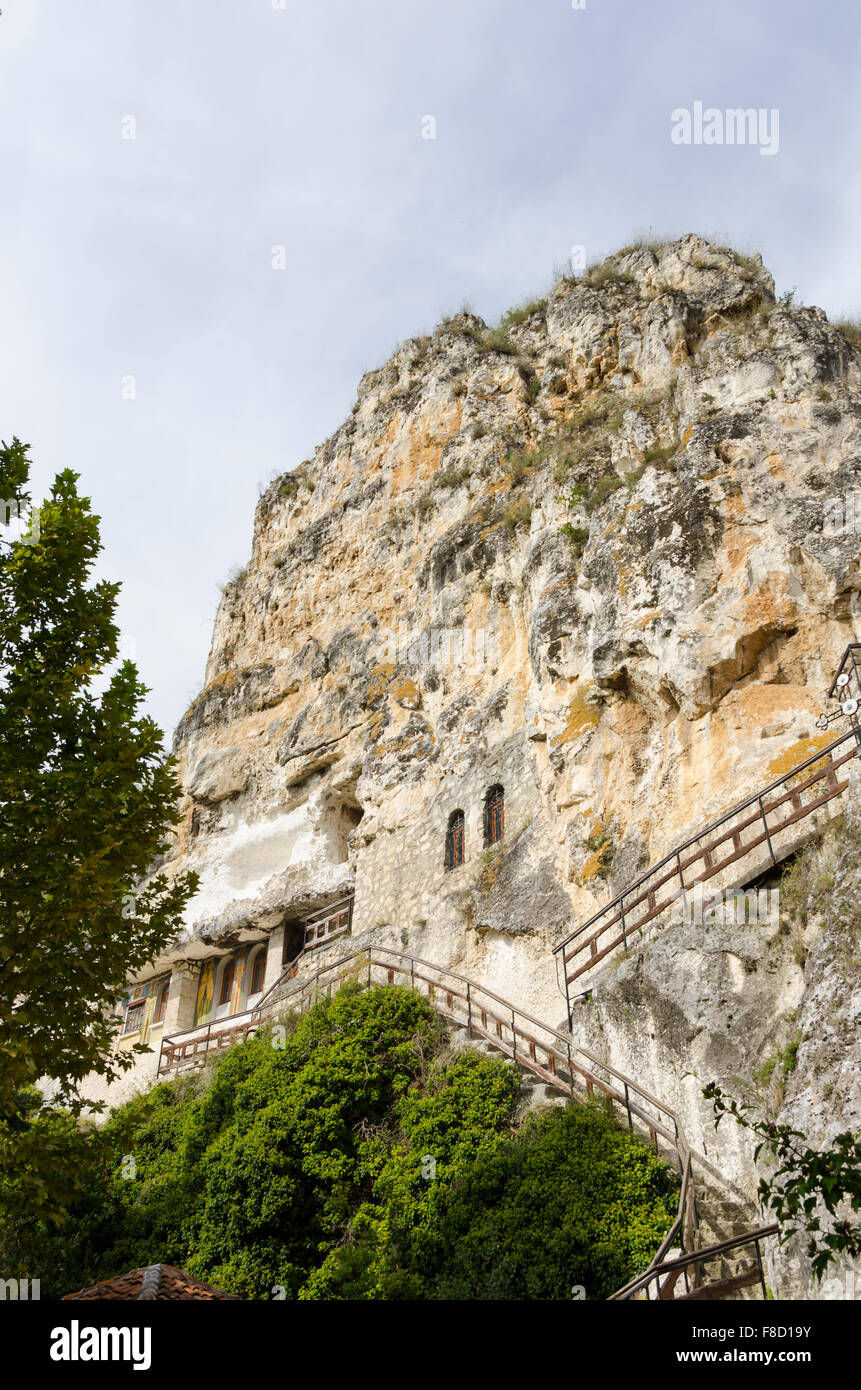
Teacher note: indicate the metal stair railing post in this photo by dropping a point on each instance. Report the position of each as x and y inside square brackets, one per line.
[617, 1089]
[760, 1268]
[716, 827]
[682, 881]
[767, 836]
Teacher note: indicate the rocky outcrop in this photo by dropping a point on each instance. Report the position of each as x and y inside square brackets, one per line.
[585, 556]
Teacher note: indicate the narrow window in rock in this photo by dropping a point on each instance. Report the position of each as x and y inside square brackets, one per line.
[226, 984]
[258, 973]
[494, 815]
[454, 840]
[161, 1003]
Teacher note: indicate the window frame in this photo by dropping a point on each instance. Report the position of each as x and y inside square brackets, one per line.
[140, 1005]
[161, 1003]
[494, 814]
[455, 840]
[228, 973]
[258, 961]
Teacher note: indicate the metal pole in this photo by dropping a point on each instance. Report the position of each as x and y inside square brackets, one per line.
[513, 1035]
[682, 881]
[761, 1270]
[468, 1011]
[622, 918]
[765, 824]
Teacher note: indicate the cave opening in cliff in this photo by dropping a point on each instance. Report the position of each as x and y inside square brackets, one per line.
[344, 813]
[294, 939]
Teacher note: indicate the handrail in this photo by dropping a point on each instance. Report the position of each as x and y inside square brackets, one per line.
[567, 1067]
[289, 970]
[681, 1263]
[671, 868]
[564, 1065]
[323, 912]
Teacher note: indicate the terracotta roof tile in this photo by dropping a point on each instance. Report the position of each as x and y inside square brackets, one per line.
[151, 1283]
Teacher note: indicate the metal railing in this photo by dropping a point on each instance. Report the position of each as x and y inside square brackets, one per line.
[540, 1049]
[185, 1049]
[329, 922]
[689, 1267]
[534, 1045]
[669, 880]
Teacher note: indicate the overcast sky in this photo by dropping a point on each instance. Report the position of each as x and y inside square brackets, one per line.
[300, 123]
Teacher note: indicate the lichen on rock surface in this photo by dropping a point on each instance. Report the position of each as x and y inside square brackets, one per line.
[584, 557]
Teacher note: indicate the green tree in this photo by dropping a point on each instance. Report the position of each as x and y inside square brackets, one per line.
[358, 1160]
[87, 794]
[572, 1200]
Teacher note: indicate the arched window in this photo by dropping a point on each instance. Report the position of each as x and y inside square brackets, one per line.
[258, 972]
[454, 840]
[226, 984]
[494, 815]
[161, 1002]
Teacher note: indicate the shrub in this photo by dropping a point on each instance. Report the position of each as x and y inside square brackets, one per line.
[308, 1166]
[603, 489]
[235, 577]
[521, 313]
[605, 273]
[517, 514]
[660, 456]
[520, 465]
[573, 1199]
[576, 535]
[851, 330]
[497, 340]
[451, 477]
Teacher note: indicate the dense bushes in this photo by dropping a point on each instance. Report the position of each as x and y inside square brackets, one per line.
[356, 1158]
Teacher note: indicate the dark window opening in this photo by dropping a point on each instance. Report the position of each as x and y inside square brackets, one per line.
[454, 840]
[494, 815]
[226, 984]
[258, 974]
[294, 940]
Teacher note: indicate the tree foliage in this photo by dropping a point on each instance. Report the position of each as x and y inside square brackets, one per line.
[361, 1159]
[86, 796]
[804, 1181]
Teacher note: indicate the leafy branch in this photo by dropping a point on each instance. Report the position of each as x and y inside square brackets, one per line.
[804, 1180]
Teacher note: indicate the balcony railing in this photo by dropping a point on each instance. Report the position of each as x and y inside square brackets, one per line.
[190, 1048]
[323, 926]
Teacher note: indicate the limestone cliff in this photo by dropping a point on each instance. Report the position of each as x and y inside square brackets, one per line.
[585, 556]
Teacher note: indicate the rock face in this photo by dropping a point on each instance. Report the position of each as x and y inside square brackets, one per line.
[592, 557]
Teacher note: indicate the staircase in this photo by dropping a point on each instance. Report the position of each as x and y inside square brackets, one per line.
[556, 1067]
[743, 843]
